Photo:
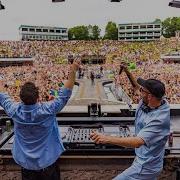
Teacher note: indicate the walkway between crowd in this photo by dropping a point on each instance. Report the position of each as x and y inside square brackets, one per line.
[89, 93]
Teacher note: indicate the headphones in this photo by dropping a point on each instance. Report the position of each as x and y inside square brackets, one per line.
[147, 109]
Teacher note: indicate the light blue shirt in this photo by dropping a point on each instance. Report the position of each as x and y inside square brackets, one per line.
[154, 128]
[37, 142]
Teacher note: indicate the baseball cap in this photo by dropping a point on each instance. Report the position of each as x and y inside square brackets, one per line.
[154, 86]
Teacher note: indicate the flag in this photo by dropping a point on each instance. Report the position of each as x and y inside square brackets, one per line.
[55, 93]
[61, 84]
[132, 66]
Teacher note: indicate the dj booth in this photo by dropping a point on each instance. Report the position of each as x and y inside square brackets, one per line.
[83, 159]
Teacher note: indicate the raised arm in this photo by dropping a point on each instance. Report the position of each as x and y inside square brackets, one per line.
[64, 94]
[130, 77]
[72, 75]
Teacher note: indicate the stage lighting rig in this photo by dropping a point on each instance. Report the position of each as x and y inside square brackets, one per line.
[58, 0]
[1, 6]
[115, 0]
[175, 4]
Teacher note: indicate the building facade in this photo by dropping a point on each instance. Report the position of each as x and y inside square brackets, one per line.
[42, 33]
[139, 31]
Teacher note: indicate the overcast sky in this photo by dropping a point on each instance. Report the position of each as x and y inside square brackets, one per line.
[78, 12]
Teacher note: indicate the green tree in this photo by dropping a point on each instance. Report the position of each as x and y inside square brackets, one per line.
[78, 33]
[111, 31]
[170, 25]
[96, 32]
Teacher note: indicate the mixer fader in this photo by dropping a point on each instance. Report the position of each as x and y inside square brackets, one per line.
[76, 138]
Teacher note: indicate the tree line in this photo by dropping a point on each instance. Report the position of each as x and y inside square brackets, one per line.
[93, 32]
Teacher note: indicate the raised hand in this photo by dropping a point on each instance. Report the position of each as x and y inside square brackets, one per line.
[76, 64]
[123, 66]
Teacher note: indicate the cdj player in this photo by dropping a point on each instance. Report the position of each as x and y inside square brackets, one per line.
[76, 139]
[76, 135]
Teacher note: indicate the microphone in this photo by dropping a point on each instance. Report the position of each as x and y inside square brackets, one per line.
[121, 69]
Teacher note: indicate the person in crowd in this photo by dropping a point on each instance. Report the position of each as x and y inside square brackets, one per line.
[92, 78]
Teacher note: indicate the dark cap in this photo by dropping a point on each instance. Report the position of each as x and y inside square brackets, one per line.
[154, 86]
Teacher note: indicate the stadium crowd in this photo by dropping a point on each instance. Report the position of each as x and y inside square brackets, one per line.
[51, 67]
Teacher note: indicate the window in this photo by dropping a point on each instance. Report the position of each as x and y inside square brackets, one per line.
[38, 30]
[45, 30]
[143, 27]
[58, 31]
[32, 30]
[156, 32]
[63, 31]
[135, 27]
[135, 33]
[51, 30]
[24, 29]
[122, 27]
[149, 33]
[142, 32]
[129, 27]
[149, 26]
[157, 26]
[142, 37]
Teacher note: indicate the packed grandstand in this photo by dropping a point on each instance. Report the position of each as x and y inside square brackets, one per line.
[50, 67]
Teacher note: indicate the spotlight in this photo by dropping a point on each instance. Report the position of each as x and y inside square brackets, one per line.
[58, 0]
[175, 4]
[1, 6]
[115, 0]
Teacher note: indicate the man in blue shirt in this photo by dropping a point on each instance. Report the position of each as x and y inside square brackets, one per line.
[37, 143]
[152, 127]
